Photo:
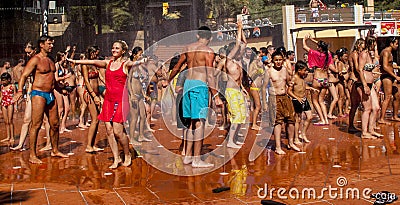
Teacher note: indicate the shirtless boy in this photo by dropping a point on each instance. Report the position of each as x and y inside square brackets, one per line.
[297, 91]
[278, 77]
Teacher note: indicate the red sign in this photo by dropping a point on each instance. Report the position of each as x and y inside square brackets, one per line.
[387, 28]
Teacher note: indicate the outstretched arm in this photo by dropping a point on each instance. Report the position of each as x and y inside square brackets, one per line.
[97, 63]
[305, 46]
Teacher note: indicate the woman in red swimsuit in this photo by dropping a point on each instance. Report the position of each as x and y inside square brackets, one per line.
[112, 114]
[7, 106]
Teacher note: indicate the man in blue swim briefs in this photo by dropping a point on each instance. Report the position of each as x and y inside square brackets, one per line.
[200, 77]
[42, 68]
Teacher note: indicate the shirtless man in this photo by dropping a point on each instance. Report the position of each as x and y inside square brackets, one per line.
[388, 77]
[199, 58]
[278, 77]
[43, 70]
[234, 89]
[5, 68]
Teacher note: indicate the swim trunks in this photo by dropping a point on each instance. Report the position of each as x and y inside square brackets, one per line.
[301, 107]
[236, 105]
[284, 110]
[195, 99]
[48, 96]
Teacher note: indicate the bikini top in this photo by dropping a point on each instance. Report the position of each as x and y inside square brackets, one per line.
[93, 74]
[369, 67]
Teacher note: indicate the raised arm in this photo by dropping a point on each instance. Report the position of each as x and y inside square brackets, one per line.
[97, 63]
[237, 46]
[305, 46]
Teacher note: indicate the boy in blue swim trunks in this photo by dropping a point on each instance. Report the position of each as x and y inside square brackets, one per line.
[199, 58]
[43, 69]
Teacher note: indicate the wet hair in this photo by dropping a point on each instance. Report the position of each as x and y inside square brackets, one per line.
[43, 39]
[390, 40]
[264, 50]
[358, 43]
[369, 43]
[5, 76]
[288, 53]
[324, 47]
[281, 50]
[89, 52]
[254, 49]
[204, 32]
[222, 50]
[276, 53]
[59, 55]
[340, 52]
[135, 51]
[174, 61]
[300, 65]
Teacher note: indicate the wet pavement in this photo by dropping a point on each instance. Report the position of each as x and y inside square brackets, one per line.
[335, 163]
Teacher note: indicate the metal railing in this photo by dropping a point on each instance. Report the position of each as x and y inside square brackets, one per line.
[259, 19]
[57, 10]
[381, 15]
[330, 14]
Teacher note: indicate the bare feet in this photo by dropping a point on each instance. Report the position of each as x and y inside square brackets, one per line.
[144, 139]
[128, 160]
[5, 140]
[46, 148]
[115, 164]
[35, 160]
[201, 164]
[330, 116]
[256, 127]
[367, 136]
[396, 119]
[304, 138]
[297, 142]
[58, 154]
[279, 152]
[80, 125]
[89, 149]
[233, 145]
[187, 160]
[383, 122]
[16, 148]
[97, 149]
[376, 134]
[293, 147]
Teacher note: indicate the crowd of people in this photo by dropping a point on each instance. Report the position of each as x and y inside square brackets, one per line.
[270, 79]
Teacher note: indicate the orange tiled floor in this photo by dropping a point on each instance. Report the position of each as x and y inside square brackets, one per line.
[82, 178]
